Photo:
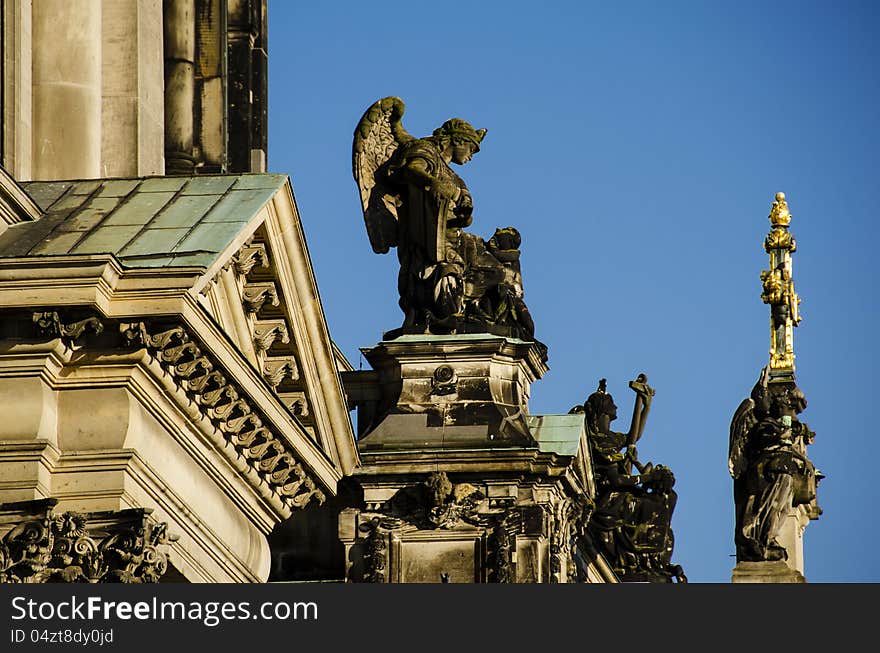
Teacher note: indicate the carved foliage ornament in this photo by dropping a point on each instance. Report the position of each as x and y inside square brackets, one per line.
[59, 548]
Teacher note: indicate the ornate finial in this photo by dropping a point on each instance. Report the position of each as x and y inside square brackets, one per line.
[778, 291]
[779, 215]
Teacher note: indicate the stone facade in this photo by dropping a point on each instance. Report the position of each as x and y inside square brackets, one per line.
[173, 397]
[131, 383]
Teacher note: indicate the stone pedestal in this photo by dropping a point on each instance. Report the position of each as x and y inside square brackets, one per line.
[766, 572]
[460, 483]
[446, 392]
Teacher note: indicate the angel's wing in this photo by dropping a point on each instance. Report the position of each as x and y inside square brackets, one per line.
[376, 138]
[743, 421]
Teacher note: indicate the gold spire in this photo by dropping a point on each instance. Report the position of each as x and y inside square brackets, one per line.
[778, 291]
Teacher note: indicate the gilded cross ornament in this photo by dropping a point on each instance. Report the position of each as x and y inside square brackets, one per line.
[778, 290]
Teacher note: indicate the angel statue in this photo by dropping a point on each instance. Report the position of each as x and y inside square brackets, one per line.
[631, 523]
[450, 281]
[770, 469]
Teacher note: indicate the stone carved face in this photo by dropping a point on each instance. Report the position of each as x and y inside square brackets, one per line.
[462, 152]
[601, 411]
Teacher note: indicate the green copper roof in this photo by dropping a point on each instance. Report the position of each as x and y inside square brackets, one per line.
[559, 434]
[144, 222]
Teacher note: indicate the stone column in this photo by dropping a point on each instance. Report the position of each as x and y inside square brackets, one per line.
[180, 40]
[247, 85]
[17, 71]
[210, 86]
[66, 89]
[132, 88]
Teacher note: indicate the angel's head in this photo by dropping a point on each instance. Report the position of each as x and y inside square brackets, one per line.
[460, 138]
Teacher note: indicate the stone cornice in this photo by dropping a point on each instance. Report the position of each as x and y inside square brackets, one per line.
[258, 445]
[511, 461]
[430, 348]
[15, 205]
[100, 282]
[330, 417]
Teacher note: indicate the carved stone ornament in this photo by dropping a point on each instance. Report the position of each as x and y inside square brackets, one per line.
[375, 551]
[276, 369]
[254, 295]
[499, 558]
[61, 548]
[198, 375]
[249, 257]
[229, 410]
[51, 324]
[443, 381]
[266, 332]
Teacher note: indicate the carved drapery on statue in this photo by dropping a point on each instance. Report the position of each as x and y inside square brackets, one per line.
[770, 469]
[631, 525]
[450, 281]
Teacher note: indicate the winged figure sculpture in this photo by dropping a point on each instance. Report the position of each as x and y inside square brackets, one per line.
[377, 137]
[450, 281]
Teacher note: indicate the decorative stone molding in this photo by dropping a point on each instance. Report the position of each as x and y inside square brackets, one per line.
[255, 295]
[278, 368]
[201, 377]
[259, 291]
[249, 257]
[499, 559]
[229, 410]
[297, 402]
[266, 332]
[43, 546]
[49, 323]
[375, 545]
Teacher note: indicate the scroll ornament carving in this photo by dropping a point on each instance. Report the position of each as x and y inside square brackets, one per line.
[250, 257]
[267, 332]
[50, 323]
[275, 370]
[255, 295]
[221, 402]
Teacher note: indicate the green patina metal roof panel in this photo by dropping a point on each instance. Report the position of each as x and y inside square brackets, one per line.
[48, 193]
[158, 184]
[144, 222]
[559, 434]
[183, 211]
[208, 185]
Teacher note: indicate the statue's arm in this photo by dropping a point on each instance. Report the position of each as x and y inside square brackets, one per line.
[619, 480]
[418, 171]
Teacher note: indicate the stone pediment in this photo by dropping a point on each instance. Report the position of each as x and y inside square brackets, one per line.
[15, 205]
[224, 253]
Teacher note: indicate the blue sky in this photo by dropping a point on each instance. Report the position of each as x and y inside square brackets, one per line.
[637, 147]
